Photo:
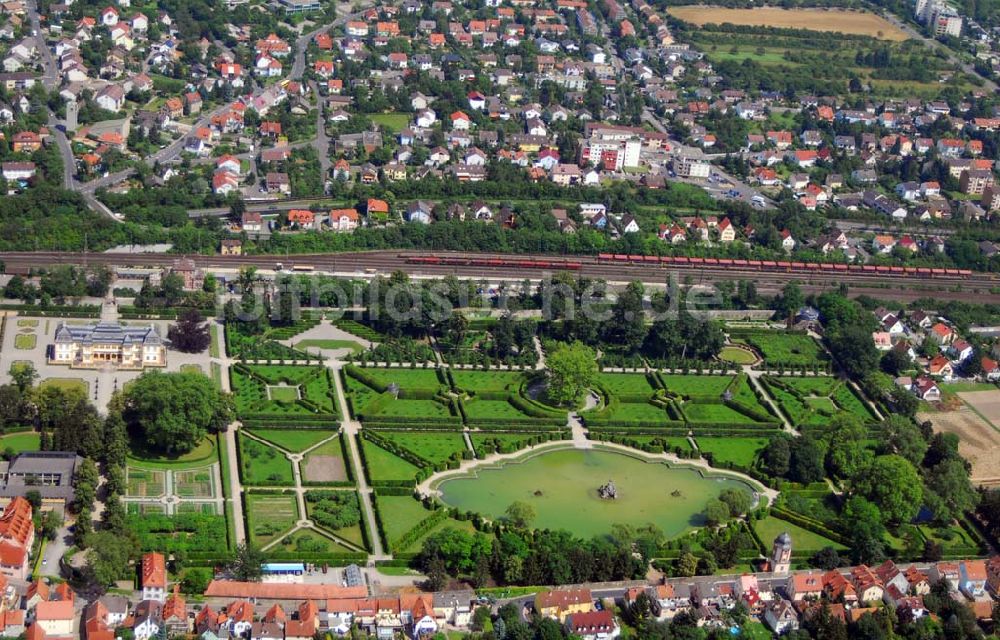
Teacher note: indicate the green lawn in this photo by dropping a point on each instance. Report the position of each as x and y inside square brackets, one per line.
[305, 541]
[329, 344]
[770, 528]
[67, 384]
[473, 381]
[405, 378]
[400, 514]
[631, 383]
[18, 442]
[25, 341]
[737, 355]
[636, 411]
[415, 409]
[739, 451]
[499, 409]
[203, 454]
[787, 348]
[432, 447]
[263, 465]
[383, 466]
[283, 394]
[714, 412]
[486, 443]
[293, 440]
[822, 404]
[695, 385]
[214, 350]
[27, 322]
[192, 368]
[393, 122]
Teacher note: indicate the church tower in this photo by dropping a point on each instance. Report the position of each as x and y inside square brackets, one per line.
[781, 554]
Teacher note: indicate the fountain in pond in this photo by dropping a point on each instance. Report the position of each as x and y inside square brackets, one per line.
[607, 491]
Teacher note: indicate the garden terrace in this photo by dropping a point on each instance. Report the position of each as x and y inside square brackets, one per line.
[668, 404]
[785, 349]
[264, 347]
[813, 401]
[404, 522]
[263, 465]
[339, 514]
[269, 515]
[284, 395]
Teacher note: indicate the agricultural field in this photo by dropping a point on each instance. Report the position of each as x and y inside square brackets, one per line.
[263, 465]
[838, 21]
[978, 440]
[269, 515]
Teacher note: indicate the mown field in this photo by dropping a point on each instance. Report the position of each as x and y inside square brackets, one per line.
[852, 22]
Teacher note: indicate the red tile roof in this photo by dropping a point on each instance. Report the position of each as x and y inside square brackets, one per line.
[154, 571]
[281, 591]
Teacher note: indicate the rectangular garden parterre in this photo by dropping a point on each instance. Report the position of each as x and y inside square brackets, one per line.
[406, 398]
[676, 403]
[812, 401]
[269, 395]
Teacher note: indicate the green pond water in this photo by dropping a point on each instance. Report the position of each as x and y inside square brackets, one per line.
[562, 487]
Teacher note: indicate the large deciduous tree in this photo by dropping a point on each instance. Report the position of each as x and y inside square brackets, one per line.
[190, 333]
[174, 411]
[572, 369]
[892, 483]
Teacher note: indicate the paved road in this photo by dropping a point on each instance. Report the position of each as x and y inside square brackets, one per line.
[934, 44]
[173, 149]
[736, 189]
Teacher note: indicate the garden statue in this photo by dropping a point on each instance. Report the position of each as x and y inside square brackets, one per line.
[608, 491]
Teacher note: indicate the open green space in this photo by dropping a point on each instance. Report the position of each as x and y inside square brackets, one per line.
[405, 378]
[27, 322]
[25, 341]
[737, 355]
[400, 515]
[192, 368]
[487, 443]
[338, 512]
[713, 412]
[20, 442]
[190, 532]
[479, 381]
[811, 401]
[562, 486]
[270, 515]
[476, 409]
[392, 122]
[803, 540]
[146, 457]
[294, 440]
[306, 541]
[432, 447]
[626, 383]
[282, 393]
[738, 451]
[282, 390]
[383, 466]
[696, 386]
[787, 349]
[355, 347]
[262, 464]
[66, 384]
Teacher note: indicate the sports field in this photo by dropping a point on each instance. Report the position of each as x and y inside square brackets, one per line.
[852, 22]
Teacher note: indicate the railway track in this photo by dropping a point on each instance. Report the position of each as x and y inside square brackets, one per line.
[900, 286]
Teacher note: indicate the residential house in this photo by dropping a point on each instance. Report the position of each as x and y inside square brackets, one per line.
[972, 578]
[560, 603]
[592, 625]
